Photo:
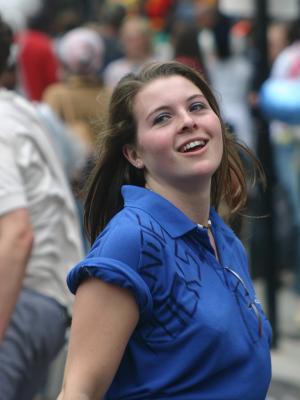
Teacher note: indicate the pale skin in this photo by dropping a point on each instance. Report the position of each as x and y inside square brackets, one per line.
[16, 240]
[105, 316]
[178, 116]
[135, 40]
[167, 122]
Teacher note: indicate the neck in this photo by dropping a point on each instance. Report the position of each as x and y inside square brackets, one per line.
[138, 58]
[194, 203]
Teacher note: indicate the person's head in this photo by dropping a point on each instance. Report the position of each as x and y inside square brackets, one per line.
[6, 40]
[136, 38]
[112, 15]
[129, 154]
[277, 39]
[81, 51]
[186, 45]
[44, 16]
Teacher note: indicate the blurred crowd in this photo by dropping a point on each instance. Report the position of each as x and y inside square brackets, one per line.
[57, 72]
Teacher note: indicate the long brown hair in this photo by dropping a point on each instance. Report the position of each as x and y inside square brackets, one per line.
[104, 200]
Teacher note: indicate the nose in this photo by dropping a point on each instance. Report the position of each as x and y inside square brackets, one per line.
[187, 122]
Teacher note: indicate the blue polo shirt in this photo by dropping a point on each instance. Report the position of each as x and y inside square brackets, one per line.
[197, 337]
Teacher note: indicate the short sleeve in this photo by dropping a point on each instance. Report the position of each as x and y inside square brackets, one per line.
[114, 258]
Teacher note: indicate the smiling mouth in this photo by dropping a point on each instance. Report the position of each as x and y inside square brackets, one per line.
[193, 146]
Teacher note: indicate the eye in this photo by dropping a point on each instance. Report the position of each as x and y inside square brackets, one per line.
[161, 118]
[197, 106]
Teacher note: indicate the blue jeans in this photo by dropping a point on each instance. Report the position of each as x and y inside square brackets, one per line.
[287, 164]
[35, 335]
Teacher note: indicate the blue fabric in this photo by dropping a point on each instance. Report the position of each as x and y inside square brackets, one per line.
[196, 339]
[280, 100]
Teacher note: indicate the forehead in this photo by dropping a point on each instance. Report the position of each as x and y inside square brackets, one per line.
[165, 91]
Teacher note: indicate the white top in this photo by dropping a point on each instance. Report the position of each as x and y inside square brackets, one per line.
[286, 66]
[287, 63]
[32, 177]
[231, 82]
[117, 69]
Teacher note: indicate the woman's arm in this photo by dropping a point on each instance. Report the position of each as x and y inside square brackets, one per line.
[104, 318]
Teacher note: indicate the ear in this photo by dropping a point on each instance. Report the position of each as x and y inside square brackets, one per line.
[131, 154]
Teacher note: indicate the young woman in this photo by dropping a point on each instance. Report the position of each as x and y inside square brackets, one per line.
[164, 306]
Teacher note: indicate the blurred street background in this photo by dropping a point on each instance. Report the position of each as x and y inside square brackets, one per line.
[249, 52]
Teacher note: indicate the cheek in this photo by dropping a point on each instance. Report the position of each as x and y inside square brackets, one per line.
[221, 145]
[153, 145]
[218, 130]
[221, 151]
[219, 138]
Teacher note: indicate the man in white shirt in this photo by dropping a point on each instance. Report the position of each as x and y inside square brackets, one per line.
[39, 241]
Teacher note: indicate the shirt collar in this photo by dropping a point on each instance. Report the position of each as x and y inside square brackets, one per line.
[173, 220]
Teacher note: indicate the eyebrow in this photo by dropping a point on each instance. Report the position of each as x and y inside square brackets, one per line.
[161, 108]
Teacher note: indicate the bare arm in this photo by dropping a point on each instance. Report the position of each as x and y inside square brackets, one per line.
[16, 240]
[104, 318]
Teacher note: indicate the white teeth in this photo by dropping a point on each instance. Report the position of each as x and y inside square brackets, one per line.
[191, 145]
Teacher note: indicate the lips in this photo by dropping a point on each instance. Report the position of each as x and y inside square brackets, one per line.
[192, 145]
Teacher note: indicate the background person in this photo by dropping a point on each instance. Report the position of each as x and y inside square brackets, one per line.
[136, 39]
[165, 307]
[80, 98]
[36, 58]
[285, 140]
[229, 70]
[39, 240]
[186, 48]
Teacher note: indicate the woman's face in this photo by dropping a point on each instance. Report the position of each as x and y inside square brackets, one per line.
[179, 137]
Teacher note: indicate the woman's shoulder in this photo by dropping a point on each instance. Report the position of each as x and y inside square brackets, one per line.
[120, 234]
